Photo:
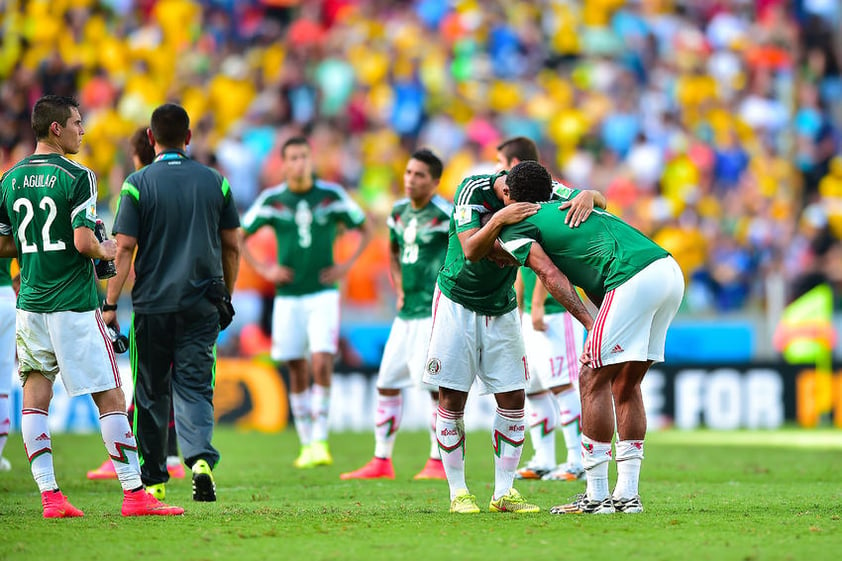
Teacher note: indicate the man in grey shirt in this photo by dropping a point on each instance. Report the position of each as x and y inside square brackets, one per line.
[181, 217]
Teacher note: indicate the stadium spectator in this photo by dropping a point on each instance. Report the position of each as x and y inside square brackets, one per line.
[181, 217]
[418, 232]
[306, 213]
[638, 287]
[44, 200]
[458, 78]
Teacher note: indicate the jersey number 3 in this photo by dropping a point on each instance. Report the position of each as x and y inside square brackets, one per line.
[47, 204]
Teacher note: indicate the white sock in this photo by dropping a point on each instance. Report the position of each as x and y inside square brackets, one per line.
[122, 447]
[5, 422]
[435, 453]
[39, 448]
[595, 458]
[300, 405]
[571, 413]
[173, 461]
[320, 409]
[507, 438]
[629, 458]
[387, 420]
[543, 419]
[450, 432]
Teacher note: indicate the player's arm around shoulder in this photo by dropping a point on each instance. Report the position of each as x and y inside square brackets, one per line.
[582, 205]
[479, 242]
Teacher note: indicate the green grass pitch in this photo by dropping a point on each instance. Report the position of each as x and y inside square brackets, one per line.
[740, 496]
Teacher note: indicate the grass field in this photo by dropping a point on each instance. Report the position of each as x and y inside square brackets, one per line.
[721, 496]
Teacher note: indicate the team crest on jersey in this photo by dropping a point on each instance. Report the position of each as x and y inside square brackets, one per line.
[434, 366]
[462, 214]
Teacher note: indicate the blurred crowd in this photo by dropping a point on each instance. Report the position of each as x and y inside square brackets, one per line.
[714, 126]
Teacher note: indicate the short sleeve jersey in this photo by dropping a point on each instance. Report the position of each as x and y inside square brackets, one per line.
[5, 271]
[305, 226]
[598, 256]
[480, 286]
[42, 200]
[175, 207]
[421, 237]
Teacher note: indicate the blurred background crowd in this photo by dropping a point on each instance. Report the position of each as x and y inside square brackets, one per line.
[714, 126]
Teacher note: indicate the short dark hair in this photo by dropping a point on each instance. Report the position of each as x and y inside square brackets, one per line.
[293, 141]
[433, 162]
[170, 125]
[141, 147]
[48, 110]
[529, 182]
[520, 147]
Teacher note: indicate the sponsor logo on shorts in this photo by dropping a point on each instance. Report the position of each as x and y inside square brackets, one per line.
[434, 366]
[617, 349]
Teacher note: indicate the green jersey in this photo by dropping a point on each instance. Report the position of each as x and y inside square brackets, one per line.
[481, 286]
[42, 200]
[5, 271]
[421, 238]
[305, 226]
[598, 256]
[529, 278]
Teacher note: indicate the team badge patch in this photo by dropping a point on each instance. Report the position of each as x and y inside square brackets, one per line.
[434, 366]
[462, 214]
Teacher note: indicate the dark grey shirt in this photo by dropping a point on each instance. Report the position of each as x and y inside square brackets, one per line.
[175, 207]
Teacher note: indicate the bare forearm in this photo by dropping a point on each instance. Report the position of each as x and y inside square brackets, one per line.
[478, 243]
[123, 264]
[539, 294]
[230, 267]
[565, 293]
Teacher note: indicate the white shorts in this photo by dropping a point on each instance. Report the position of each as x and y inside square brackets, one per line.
[302, 325]
[7, 338]
[405, 355]
[465, 345]
[553, 354]
[633, 319]
[72, 343]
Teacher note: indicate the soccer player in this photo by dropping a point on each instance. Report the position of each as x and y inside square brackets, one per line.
[638, 287]
[306, 212]
[181, 217]
[143, 154]
[48, 203]
[7, 353]
[418, 228]
[553, 341]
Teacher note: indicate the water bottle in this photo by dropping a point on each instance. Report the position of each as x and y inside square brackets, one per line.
[104, 269]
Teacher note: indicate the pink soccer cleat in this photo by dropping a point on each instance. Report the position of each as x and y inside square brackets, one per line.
[56, 505]
[176, 471]
[377, 468]
[433, 469]
[105, 471]
[141, 503]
